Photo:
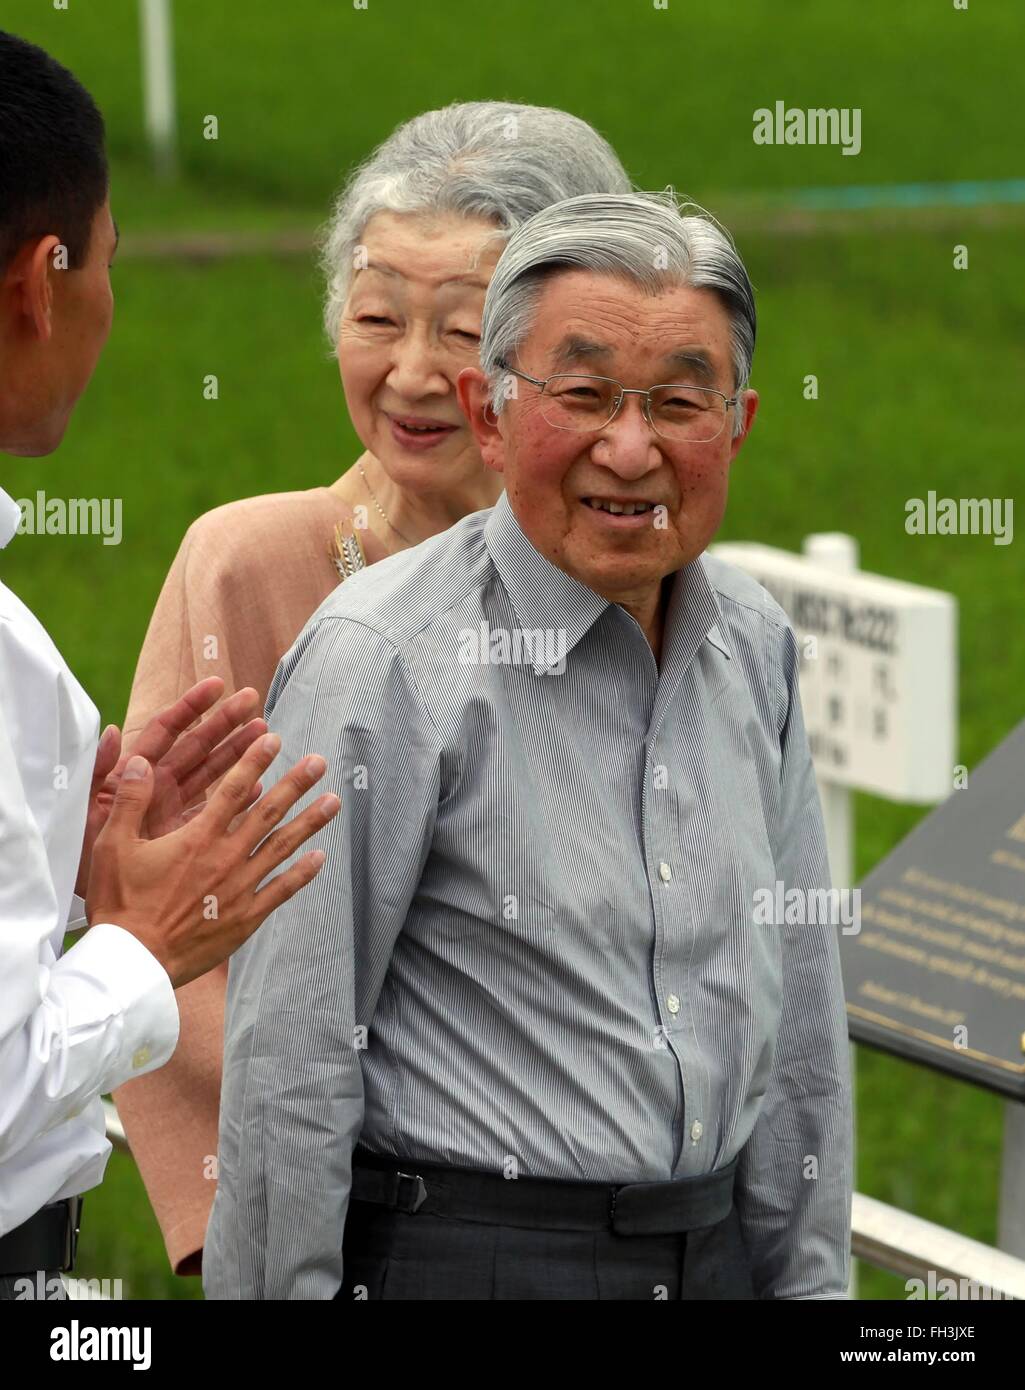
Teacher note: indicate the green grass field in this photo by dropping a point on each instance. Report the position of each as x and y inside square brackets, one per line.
[918, 364]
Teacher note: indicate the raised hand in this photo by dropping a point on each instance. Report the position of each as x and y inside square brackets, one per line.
[186, 761]
[191, 896]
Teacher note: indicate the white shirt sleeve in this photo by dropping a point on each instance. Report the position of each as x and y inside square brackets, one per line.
[74, 1027]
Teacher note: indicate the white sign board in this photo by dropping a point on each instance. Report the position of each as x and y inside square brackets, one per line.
[878, 672]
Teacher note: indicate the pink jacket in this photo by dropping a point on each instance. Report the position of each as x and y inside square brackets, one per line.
[245, 581]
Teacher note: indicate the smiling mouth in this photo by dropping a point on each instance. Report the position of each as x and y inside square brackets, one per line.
[605, 504]
[417, 425]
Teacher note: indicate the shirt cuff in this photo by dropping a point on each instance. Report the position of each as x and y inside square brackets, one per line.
[141, 987]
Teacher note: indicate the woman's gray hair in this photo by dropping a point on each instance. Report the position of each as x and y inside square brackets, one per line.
[498, 160]
[651, 239]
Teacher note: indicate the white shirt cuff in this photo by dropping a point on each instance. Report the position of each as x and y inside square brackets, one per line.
[140, 985]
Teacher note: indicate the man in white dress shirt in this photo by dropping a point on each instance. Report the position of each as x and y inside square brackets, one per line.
[127, 846]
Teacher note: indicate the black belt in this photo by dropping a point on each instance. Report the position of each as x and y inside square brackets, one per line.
[644, 1208]
[45, 1241]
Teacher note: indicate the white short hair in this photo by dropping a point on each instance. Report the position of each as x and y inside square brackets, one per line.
[497, 160]
[652, 239]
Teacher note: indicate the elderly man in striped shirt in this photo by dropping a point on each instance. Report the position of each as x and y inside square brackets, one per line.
[526, 1036]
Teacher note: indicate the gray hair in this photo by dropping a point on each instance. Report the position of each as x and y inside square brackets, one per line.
[651, 239]
[498, 160]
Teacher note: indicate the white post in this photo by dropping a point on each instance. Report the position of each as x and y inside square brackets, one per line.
[1011, 1221]
[839, 552]
[158, 81]
[836, 551]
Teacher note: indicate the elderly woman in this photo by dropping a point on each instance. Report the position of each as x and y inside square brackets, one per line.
[409, 251]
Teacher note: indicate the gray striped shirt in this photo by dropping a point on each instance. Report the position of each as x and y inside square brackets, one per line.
[533, 948]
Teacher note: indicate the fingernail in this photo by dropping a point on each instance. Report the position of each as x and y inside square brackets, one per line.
[135, 769]
[317, 857]
[271, 743]
[316, 766]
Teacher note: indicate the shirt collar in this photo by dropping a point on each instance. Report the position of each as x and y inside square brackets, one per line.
[10, 518]
[546, 597]
[693, 615]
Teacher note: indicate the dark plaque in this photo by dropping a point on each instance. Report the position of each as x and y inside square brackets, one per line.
[937, 971]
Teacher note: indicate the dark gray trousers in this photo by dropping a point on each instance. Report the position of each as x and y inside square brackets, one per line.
[399, 1255]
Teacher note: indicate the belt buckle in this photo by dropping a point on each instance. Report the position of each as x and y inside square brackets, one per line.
[421, 1190]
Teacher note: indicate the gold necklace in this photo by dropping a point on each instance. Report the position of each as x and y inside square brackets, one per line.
[377, 504]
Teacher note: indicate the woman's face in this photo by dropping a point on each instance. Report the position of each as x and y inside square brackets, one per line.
[410, 325]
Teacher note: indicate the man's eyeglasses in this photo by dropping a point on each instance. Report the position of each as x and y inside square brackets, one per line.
[693, 414]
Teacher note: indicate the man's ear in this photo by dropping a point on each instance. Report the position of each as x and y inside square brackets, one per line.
[749, 404]
[28, 286]
[474, 393]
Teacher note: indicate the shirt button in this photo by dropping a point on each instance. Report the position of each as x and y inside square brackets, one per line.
[673, 1003]
[665, 873]
[696, 1131]
[141, 1057]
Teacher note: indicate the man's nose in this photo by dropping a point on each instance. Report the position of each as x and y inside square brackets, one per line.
[628, 445]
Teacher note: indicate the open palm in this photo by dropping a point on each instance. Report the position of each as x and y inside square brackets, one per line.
[186, 762]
